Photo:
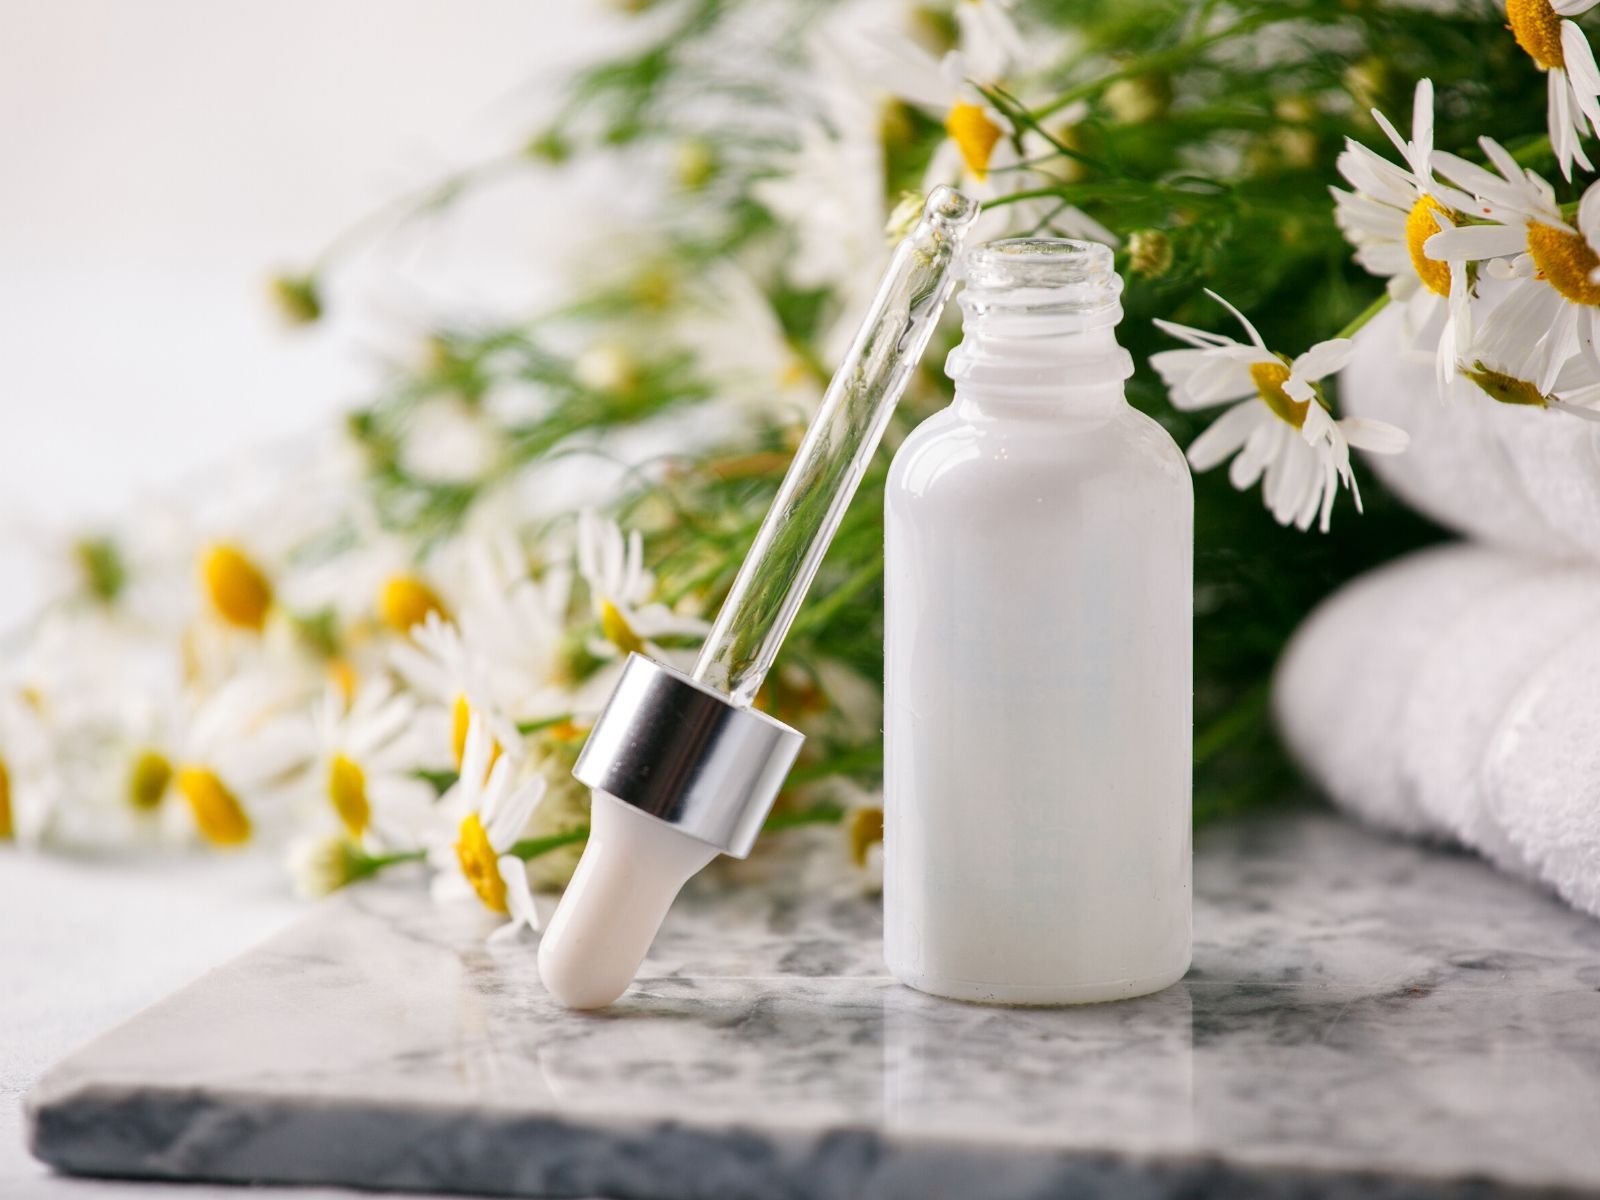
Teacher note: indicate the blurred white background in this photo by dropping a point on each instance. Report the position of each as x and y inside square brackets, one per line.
[159, 160]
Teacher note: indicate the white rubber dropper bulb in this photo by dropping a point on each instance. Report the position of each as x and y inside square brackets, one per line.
[630, 872]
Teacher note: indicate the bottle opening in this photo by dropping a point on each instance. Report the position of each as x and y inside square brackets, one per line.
[1045, 276]
[1041, 316]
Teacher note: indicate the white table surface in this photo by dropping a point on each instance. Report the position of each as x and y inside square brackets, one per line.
[85, 944]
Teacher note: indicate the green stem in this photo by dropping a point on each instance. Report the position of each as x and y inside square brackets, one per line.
[819, 814]
[820, 613]
[527, 728]
[365, 866]
[1365, 315]
[1244, 716]
[844, 763]
[1531, 150]
[530, 848]
[1161, 60]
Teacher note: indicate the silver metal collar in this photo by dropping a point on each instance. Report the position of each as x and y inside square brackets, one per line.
[688, 756]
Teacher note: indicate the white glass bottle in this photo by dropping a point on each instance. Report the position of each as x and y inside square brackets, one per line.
[1039, 578]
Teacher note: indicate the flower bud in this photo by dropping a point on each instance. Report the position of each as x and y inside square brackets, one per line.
[549, 146]
[696, 163]
[907, 212]
[1149, 253]
[606, 367]
[1139, 99]
[298, 298]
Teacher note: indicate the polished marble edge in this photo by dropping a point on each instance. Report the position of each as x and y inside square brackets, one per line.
[243, 1140]
[1370, 956]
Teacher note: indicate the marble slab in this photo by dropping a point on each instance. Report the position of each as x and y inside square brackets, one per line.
[1364, 1018]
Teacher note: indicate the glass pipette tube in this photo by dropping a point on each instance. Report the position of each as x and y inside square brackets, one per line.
[811, 501]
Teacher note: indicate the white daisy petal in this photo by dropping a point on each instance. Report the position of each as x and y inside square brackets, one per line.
[1323, 359]
[1582, 73]
[1474, 243]
[1227, 435]
[1240, 317]
[1375, 437]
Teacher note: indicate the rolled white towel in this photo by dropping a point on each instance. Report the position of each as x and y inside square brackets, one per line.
[1556, 459]
[1462, 687]
[1542, 771]
[1342, 685]
[1456, 469]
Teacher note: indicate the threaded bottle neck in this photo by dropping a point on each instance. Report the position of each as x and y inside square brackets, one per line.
[1040, 324]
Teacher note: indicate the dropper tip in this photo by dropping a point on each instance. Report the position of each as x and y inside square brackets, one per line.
[950, 208]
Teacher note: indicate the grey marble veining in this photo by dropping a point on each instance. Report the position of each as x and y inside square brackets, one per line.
[1364, 1018]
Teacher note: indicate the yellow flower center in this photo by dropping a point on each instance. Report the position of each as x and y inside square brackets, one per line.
[974, 134]
[1537, 28]
[347, 792]
[617, 630]
[866, 831]
[480, 864]
[1566, 261]
[238, 589]
[1507, 389]
[405, 600]
[1422, 223]
[1269, 379]
[460, 723]
[7, 827]
[342, 674]
[218, 814]
[148, 779]
[795, 373]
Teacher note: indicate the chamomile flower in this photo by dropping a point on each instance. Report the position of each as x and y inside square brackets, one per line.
[516, 626]
[321, 864]
[621, 590]
[1278, 430]
[487, 811]
[828, 189]
[238, 591]
[122, 575]
[1554, 304]
[978, 134]
[983, 152]
[450, 441]
[1556, 44]
[439, 663]
[1503, 363]
[235, 754]
[368, 754]
[30, 785]
[989, 37]
[1391, 214]
[377, 582]
[740, 343]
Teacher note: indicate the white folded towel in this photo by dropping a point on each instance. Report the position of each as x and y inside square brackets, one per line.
[1459, 468]
[1454, 694]
[1556, 460]
[1542, 771]
[1341, 685]
[1461, 687]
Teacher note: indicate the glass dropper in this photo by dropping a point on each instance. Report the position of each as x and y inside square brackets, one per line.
[682, 768]
[827, 468]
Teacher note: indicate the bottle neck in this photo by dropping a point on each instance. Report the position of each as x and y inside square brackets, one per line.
[1039, 365]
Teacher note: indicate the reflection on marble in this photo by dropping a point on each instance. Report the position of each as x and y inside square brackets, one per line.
[1364, 1018]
